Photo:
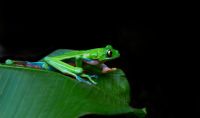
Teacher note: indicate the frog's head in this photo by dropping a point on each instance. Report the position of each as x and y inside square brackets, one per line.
[107, 53]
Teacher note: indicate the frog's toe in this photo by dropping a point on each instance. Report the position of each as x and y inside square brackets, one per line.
[89, 78]
[87, 82]
[92, 81]
[94, 76]
[82, 80]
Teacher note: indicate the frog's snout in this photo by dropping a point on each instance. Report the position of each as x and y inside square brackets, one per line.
[117, 53]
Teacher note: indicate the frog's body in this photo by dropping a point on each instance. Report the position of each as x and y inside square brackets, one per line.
[95, 57]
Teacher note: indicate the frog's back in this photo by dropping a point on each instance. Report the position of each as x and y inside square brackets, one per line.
[61, 52]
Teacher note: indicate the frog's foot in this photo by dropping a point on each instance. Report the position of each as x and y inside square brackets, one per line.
[107, 69]
[77, 77]
[89, 78]
[82, 80]
[94, 76]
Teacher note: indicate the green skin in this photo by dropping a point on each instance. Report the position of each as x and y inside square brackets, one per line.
[96, 57]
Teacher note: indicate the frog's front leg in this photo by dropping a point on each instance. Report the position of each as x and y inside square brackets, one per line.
[78, 61]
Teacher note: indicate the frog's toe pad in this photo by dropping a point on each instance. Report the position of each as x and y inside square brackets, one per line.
[8, 61]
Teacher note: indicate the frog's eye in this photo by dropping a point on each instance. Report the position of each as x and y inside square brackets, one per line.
[109, 53]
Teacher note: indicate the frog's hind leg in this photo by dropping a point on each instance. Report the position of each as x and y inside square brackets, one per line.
[39, 65]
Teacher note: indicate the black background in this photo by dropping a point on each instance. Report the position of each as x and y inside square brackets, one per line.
[142, 33]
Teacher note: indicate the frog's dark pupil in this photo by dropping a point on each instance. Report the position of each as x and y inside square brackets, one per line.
[109, 53]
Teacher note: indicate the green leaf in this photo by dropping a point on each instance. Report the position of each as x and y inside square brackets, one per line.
[33, 93]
